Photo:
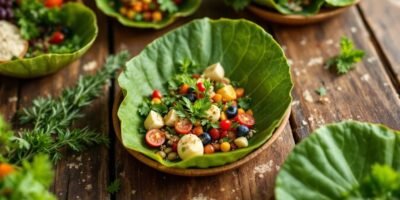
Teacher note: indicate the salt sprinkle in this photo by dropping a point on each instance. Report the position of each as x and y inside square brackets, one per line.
[303, 42]
[295, 103]
[222, 189]
[261, 169]
[339, 88]
[315, 61]
[307, 96]
[365, 77]
[304, 122]
[353, 29]
[329, 42]
[88, 187]
[371, 59]
[133, 192]
[90, 66]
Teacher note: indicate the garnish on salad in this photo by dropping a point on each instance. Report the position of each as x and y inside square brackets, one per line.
[200, 114]
[147, 10]
[30, 28]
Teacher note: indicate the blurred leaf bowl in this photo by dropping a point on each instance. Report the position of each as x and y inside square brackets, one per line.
[187, 8]
[82, 21]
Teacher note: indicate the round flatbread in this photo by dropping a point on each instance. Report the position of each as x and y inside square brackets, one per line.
[11, 42]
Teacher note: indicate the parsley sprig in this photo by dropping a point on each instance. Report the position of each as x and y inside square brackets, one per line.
[196, 111]
[344, 62]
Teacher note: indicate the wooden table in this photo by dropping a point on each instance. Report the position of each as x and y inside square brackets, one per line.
[368, 93]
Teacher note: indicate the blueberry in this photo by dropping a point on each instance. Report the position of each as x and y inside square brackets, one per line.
[231, 112]
[205, 138]
[242, 131]
[191, 97]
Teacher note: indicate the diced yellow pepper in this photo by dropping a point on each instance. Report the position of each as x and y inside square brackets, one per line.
[228, 93]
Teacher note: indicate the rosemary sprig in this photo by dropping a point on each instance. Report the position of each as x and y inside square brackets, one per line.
[52, 117]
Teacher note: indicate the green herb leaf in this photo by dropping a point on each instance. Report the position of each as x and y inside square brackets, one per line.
[168, 6]
[344, 62]
[245, 102]
[238, 4]
[321, 91]
[114, 186]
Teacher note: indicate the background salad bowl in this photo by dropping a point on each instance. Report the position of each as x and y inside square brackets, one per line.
[249, 56]
[82, 21]
[342, 161]
[187, 8]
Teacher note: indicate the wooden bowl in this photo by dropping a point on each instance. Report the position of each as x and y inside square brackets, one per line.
[193, 171]
[274, 16]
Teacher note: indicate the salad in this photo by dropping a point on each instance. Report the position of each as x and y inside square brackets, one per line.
[199, 114]
[147, 10]
[30, 28]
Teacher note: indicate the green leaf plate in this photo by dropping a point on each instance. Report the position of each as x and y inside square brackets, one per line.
[186, 9]
[82, 21]
[336, 158]
[248, 54]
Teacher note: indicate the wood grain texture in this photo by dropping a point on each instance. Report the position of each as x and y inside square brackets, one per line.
[9, 88]
[365, 93]
[382, 18]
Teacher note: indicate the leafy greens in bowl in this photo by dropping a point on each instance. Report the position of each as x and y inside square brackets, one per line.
[82, 21]
[112, 8]
[348, 160]
[249, 55]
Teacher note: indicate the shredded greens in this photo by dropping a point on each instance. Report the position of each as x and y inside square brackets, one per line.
[347, 58]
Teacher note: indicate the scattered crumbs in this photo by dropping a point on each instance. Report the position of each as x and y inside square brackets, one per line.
[201, 196]
[303, 42]
[83, 180]
[353, 29]
[296, 103]
[386, 84]
[233, 190]
[311, 118]
[371, 59]
[290, 62]
[315, 61]
[78, 197]
[81, 172]
[89, 159]
[261, 169]
[60, 194]
[90, 66]
[277, 167]
[79, 158]
[339, 88]
[88, 187]
[280, 138]
[296, 72]
[222, 189]
[12, 99]
[304, 123]
[358, 117]
[365, 77]
[122, 174]
[133, 192]
[324, 100]
[307, 96]
[261, 176]
[72, 165]
[329, 42]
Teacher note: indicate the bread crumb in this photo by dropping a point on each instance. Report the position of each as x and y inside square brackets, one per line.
[295, 103]
[353, 29]
[329, 42]
[304, 122]
[315, 61]
[303, 42]
[12, 99]
[88, 187]
[371, 59]
[261, 169]
[365, 77]
[133, 192]
[90, 66]
[307, 96]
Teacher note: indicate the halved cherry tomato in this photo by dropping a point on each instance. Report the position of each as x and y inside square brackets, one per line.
[214, 133]
[5, 169]
[183, 126]
[225, 125]
[175, 146]
[246, 119]
[223, 134]
[57, 37]
[155, 137]
[198, 130]
[156, 94]
[209, 149]
[53, 3]
[184, 89]
[201, 86]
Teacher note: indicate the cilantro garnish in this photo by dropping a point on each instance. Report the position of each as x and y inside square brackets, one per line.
[114, 186]
[321, 91]
[344, 62]
[245, 102]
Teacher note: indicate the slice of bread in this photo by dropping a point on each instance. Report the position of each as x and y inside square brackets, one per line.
[11, 42]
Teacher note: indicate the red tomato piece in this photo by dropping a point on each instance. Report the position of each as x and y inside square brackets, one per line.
[175, 146]
[225, 125]
[53, 3]
[246, 119]
[57, 37]
[156, 94]
[214, 133]
[223, 134]
[201, 86]
[155, 137]
[183, 126]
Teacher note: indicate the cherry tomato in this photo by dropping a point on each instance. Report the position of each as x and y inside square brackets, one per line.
[5, 169]
[198, 130]
[155, 137]
[223, 134]
[215, 134]
[201, 86]
[156, 94]
[57, 37]
[184, 89]
[209, 149]
[175, 146]
[183, 126]
[225, 125]
[246, 119]
[53, 3]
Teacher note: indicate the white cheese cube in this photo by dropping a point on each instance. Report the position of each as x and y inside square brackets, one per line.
[153, 121]
[215, 72]
[171, 118]
[241, 142]
[190, 146]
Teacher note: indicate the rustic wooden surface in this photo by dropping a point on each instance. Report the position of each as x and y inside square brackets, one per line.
[368, 93]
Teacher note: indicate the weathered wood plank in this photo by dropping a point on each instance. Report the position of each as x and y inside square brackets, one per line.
[255, 180]
[8, 97]
[365, 93]
[82, 176]
[382, 18]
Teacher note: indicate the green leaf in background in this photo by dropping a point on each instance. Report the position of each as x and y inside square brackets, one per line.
[336, 160]
[340, 3]
[249, 56]
[187, 8]
[283, 7]
[82, 21]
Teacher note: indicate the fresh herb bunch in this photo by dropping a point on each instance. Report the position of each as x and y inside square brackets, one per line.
[114, 186]
[238, 4]
[382, 183]
[52, 117]
[168, 6]
[344, 62]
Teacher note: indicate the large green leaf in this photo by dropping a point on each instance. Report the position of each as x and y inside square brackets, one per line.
[249, 56]
[82, 21]
[187, 8]
[281, 7]
[335, 159]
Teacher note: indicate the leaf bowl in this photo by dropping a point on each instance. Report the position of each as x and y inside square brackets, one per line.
[334, 159]
[249, 56]
[188, 8]
[82, 21]
[283, 17]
